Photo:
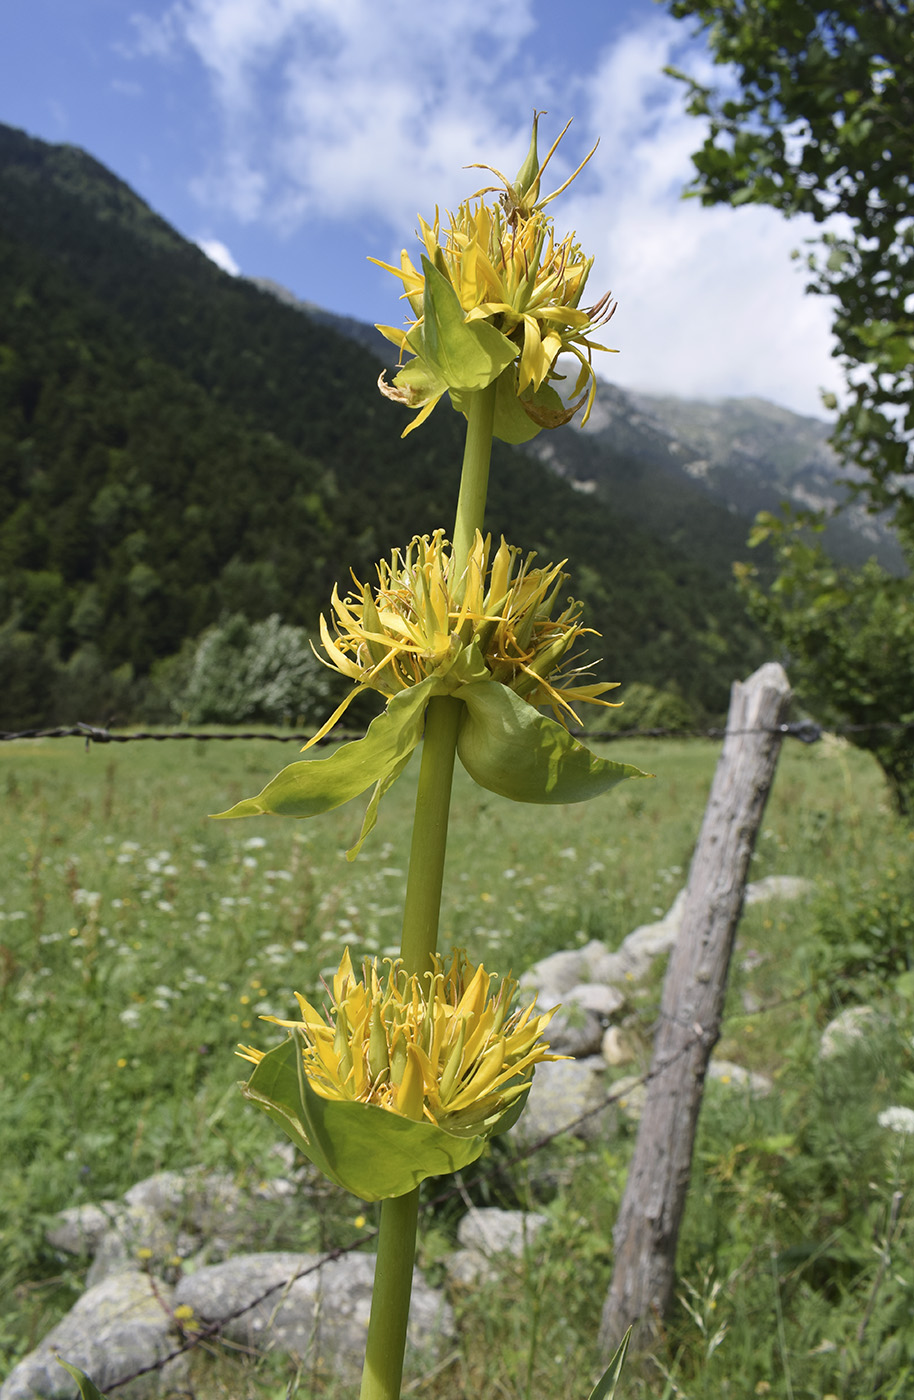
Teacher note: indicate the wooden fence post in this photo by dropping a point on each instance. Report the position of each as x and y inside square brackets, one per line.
[647, 1229]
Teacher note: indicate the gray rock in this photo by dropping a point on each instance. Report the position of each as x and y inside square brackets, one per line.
[80, 1229]
[592, 955]
[604, 1001]
[322, 1314]
[630, 1093]
[468, 1268]
[138, 1237]
[485, 1234]
[562, 1091]
[620, 970]
[618, 1047]
[115, 1329]
[493, 1231]
[559, 972]
[778, 887]
[726, 1072]
[574, 1031]
[651, 940]
[201, 1200]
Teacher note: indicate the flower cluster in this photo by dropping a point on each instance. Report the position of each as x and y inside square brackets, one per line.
[494, 619]
[498, 298]
[438, 1048]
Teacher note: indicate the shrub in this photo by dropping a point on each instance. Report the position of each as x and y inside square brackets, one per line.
[254, 671]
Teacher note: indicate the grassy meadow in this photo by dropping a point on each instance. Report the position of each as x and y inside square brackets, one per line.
[139, 941]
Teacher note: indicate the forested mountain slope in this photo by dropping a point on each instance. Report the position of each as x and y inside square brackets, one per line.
[176, 444]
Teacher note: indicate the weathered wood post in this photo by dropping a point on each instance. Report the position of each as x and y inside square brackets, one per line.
[647, 1229]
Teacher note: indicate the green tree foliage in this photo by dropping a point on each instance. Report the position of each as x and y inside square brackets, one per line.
[848, 637]
[263, 670]
[819, 119]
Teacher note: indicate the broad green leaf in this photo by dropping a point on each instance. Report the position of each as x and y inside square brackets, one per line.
[510, 748]
[87, 1388]
[466, 354]
[512, 421]
[274, 1087]
[312, 786]
[367, 1150]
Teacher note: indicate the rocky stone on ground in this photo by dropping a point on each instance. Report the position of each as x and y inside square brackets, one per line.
[312, 1309]
[487, 1233]
[119, 1327]
[778, 887]
[726, 1072]
[562, 1092]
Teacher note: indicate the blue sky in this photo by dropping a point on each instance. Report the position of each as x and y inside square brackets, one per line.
[294, 138]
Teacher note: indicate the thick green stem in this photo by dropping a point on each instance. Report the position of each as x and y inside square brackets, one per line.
[393, 1281]
[474, 479]
[386, 1344]
[429, 843]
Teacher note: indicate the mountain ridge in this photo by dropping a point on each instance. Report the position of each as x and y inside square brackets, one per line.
[746, 452]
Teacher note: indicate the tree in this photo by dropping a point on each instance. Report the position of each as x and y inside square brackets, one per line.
[849, 638]
[819, 119]
[262, 670]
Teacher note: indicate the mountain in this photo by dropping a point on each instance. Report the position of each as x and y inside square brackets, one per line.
[745, 454]
[177, 445]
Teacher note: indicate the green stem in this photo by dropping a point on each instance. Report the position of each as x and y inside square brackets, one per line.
[429, 842]
[386, 1344]
[474, 479]
[393, 1281]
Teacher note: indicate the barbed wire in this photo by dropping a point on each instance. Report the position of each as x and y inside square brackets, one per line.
[807, 731]
[199, 1332]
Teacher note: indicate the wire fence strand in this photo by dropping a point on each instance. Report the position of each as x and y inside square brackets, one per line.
[806, 731]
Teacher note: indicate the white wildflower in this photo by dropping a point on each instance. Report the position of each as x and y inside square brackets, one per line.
[898, 1119]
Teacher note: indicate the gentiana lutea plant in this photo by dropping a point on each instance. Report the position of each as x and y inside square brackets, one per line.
[409, 1071]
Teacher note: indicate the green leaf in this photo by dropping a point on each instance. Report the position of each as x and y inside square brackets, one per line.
[466, 354]
[419, 382]
[512, 422]
[87, 1388]
[605, 1387]
[371, 811]
[510, 748]
[367, 1150]
[313, 786]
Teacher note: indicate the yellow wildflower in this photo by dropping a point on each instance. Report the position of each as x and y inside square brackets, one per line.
[501, 269]
[496, 619]
[438, 1048]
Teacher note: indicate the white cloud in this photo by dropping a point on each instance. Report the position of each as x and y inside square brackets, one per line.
[710, 301]
[360, 113]
[344, 108]
[218, 253]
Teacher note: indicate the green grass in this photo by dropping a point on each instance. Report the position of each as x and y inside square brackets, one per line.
[139, 941]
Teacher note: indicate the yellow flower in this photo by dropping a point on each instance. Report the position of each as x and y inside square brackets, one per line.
[438, 1048]
[509, 272]
[497, 619]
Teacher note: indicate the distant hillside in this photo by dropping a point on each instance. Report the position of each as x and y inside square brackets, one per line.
[176, 444]
[746, 454]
